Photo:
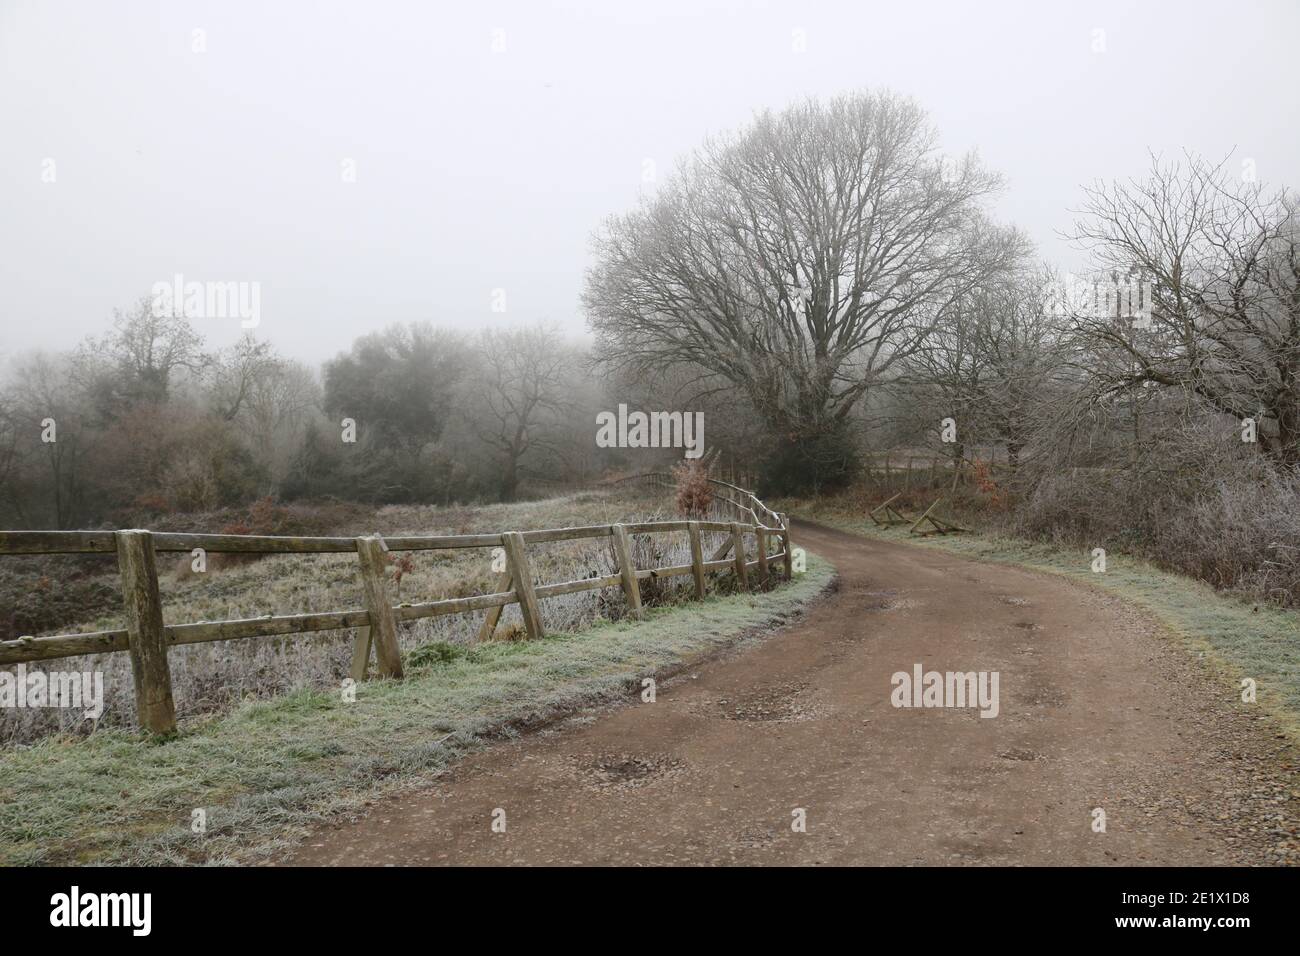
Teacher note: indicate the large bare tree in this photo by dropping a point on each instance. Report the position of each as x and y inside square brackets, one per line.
[1222, 258]
[798, 260]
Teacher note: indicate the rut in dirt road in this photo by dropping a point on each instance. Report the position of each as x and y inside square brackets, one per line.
[1097, 710]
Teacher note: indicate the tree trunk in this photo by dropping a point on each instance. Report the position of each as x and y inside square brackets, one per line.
[510, 479]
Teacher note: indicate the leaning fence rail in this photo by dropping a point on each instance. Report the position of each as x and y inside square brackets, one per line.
[146, 637]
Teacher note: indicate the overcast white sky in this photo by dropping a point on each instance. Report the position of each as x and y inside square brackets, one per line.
[478, 170]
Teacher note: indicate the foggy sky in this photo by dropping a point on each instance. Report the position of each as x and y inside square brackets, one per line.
[479, 170]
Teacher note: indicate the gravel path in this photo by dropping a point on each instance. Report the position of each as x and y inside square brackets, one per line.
[1096, 710]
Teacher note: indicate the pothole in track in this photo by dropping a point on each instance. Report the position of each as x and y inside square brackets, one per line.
[779, 703]
[756, 837]
[886, 601]
[626, 771]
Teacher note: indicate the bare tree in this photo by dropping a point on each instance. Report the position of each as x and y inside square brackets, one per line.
[1223, 261]
[49, 474]
[145, 350]
[798, 261]
[269, 397]
[11, 459]
[525, 376]
[990, 363]
[237, 372]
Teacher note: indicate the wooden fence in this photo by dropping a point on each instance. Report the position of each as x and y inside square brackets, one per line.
[902, 471]
[146, 637]
[742, 503]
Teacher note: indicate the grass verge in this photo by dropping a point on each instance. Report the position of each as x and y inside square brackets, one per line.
[264, 773]
[1238, 638]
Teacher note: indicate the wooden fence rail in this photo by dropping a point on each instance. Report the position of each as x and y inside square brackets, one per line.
[146, 637]
[743, 503]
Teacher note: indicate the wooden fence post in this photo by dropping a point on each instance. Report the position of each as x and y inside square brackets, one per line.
[373, 555]
[147, 641]
[522, 573]
[503, 583]
[360, 668]
[697, 558]
[627, 570]
[761, 535]
[738, 545]
[785, 546]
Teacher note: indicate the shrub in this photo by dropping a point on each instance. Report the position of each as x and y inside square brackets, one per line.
[1193, 500]
[694, 493]
[402, 565]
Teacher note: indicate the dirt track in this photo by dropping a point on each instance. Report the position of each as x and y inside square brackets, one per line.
[1097, 710]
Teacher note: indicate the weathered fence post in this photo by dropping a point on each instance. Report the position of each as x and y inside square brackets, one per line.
[697, 558]
[146, 639]
[360, 668]
[785, 546]
[373, 555]
[522, 573]
[738, 545]
[503, 583]
[627, 570]
[761, 534]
